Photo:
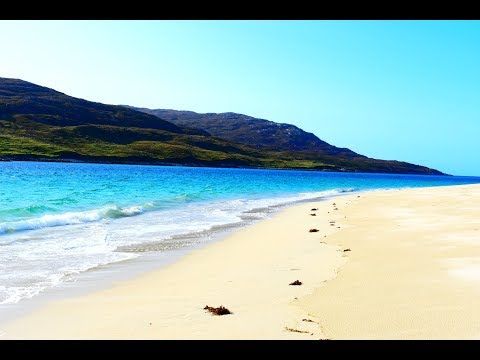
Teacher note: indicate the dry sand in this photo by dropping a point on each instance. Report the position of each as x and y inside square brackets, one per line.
[412, 272]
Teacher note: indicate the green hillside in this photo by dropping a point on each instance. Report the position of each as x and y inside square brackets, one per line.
[38, 123]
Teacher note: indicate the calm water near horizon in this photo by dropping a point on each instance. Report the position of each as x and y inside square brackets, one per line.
[62, 219]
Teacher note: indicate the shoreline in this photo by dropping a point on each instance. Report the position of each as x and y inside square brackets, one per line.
[387, 264]
[106, 275]
[211, 259]
[325, 168]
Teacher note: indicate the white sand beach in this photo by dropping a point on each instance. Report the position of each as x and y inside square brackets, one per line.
[385, 264]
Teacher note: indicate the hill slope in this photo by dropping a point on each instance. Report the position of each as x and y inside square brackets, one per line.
[282, 138]
[50, 107]
[38, 123]
[247, 130]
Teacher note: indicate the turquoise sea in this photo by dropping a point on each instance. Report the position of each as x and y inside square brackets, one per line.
[61, 219]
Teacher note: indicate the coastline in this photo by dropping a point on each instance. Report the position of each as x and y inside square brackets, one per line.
[249, 277]
[410, 272]
[116, 161]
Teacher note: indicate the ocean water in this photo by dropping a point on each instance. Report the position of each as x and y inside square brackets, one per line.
[58, 220]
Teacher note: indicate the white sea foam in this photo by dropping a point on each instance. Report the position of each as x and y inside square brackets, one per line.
[59, 246]
[70, 218]
[109, 212]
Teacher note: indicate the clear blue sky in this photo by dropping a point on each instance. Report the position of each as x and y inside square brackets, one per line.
[404, 90]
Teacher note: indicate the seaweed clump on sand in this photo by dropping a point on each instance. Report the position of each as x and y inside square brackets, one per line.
[296, 282]
[313, 230]
[296, 330]
[221, 310]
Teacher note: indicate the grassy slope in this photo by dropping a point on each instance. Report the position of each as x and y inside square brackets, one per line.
[283, 139]
[22, 138]
[38, 123]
